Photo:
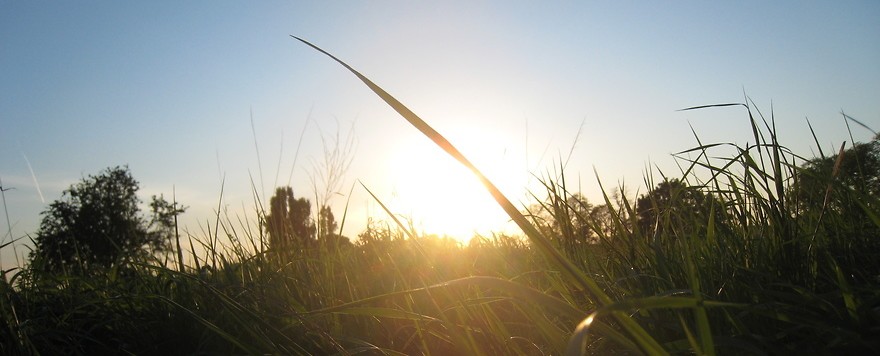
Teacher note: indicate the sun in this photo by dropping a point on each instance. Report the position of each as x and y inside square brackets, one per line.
[442, 197]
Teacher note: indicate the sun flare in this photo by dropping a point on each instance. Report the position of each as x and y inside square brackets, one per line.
[441, 197]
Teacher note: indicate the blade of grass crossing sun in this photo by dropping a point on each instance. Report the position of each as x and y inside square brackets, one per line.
[536, 237]
[641, 336]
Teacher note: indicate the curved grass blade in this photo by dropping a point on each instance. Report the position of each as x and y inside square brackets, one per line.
[859, 123]
[534, 235]
[711, 106]
[645, 340]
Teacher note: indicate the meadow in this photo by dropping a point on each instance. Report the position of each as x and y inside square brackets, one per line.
[759, 252]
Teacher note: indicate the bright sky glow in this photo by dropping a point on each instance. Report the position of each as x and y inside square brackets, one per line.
[441, 196]
[169, 87]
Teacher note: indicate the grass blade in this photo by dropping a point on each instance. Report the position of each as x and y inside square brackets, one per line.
[536, 237]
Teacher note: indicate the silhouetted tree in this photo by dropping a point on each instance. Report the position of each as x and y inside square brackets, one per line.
[289, 223]
[602, 221]
[673, 202]
[570, 221]
[326, 221]
[858, 170]
[163, 225]
[97, 225]
[841, 188]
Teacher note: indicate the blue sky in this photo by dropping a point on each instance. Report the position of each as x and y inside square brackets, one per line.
[169, 88]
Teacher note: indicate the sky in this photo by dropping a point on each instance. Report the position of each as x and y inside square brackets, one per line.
[214, 102]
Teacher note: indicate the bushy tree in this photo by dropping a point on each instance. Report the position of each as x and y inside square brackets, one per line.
[97, 224]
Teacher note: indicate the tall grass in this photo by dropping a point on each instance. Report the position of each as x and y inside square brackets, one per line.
[750, 270]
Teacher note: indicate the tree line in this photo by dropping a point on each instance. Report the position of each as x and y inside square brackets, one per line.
[827, 189]
[97, 224]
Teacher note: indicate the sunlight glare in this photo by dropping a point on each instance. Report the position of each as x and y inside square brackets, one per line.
[442, 197]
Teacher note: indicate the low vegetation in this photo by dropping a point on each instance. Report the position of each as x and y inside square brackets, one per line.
[759, 252]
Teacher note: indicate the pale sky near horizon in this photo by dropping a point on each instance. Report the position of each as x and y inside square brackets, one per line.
[179, 91]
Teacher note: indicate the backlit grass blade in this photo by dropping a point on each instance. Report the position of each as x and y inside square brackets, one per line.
[388, 211]
[397, 221]
[536, 237]
[580, 336]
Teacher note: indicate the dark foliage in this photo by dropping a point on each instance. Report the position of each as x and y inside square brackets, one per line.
[842, 184]
[672, 203]
[97, 225]
[289, 222]
[841, 194]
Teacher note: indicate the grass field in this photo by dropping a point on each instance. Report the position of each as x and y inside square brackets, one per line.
[736, 255]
